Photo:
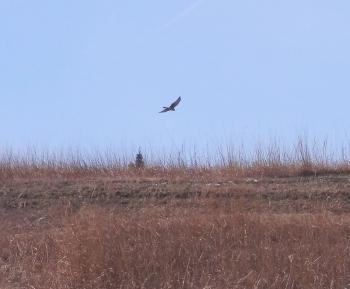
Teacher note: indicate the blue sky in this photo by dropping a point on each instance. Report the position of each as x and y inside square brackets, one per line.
[96, 73]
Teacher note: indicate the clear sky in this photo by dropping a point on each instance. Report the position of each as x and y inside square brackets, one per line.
[96, 73]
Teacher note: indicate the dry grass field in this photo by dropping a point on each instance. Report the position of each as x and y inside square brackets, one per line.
[267, 224]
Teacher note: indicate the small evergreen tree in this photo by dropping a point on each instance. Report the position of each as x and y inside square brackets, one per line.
[139, 162]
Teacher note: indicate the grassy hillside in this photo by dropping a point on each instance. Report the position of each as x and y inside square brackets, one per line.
[263, 223]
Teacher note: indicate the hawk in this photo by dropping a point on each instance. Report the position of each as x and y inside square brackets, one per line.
[172, 106]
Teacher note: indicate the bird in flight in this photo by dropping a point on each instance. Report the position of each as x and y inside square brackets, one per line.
[172, 106]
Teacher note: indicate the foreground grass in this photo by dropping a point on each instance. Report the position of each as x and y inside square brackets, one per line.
[203, 246]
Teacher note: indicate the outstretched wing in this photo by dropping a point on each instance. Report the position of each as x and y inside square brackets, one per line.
[165, 109]
[176, 102]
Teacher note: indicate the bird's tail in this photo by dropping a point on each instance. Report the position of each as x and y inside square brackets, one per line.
[165, 107]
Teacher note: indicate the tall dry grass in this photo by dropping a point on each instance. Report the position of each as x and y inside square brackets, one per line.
[165, 247]
[302, 159]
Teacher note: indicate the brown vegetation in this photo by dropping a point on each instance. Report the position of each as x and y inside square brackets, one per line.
[262, 224]
[208, 246]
